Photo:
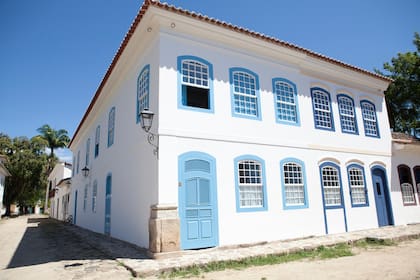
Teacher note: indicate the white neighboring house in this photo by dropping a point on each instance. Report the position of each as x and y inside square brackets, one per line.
[58, 191]
[249, 132]
[406, 177]
[3, 174]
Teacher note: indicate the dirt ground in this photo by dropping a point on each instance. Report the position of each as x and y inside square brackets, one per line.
[400, 261]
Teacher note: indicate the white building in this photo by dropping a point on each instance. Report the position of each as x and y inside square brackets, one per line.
[405, 176]
[252, 133]
[3, 174]
[58, 191]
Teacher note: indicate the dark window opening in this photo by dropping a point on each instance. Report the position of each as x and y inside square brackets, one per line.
[405, 175]
[378, 188]
[196, 97]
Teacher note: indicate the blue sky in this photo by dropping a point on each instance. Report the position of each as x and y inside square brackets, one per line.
[54, 54]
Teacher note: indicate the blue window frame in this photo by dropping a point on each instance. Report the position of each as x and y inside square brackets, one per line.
[97, 140]
[85, 195]
[250, 183]
[74, 166]
[245, 93]
[111, 126]
[369, 118]
[347, 114]
[285, 101]
[94, 195]
[293, 179]
[143, 91]
[108, 197]
[332, 193]
[357, 185]
[87, 151]
[321, 104]
[195, 82]
[78, 162]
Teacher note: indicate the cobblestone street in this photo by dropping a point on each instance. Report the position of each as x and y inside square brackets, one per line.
[35, 247]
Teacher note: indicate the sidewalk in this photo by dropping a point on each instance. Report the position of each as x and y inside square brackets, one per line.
[139, 264]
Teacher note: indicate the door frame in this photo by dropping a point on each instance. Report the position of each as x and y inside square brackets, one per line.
[75, 207]
[381, 172]
[108, 186]
[213, 196]
[343, 204]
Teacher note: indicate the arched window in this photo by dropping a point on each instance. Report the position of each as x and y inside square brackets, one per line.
[245, 93]
[111, 126]
[331, 185]
[406, 184]
[78, 162]
[85, 195]
[369, 118]
[321, 104]
[94, 195]
[97, 140]
[285, 101]
[347, 114]
[87, 151]
[196, 84]
[357, 183]
[294, 184]
[143, 91]
[250, 184]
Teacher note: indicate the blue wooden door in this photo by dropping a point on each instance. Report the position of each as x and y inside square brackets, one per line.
[75, 207]
[380, 199]
[107, 229]
[197, 203]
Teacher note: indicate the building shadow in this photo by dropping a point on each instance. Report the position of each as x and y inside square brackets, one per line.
[47, 240]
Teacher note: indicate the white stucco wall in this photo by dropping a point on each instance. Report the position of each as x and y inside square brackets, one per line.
[225, 137]
[130, 160]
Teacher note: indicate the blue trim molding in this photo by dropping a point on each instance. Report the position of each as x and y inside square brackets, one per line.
[295, 100]
[318, 119]
[362, 169]
[257, 108]
[342, 120]
[182, 103]
[376, 119]
[260, 161]
[147, 92]
[305, 192]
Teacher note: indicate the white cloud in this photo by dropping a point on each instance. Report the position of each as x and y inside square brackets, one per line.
[64, 154]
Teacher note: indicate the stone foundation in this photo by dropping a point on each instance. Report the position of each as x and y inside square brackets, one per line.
[164, 229]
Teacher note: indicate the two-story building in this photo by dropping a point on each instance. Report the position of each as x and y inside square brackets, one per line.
[253, 139]
[58, 191]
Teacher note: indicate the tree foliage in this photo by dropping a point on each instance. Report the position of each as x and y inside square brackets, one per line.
[403, 94]
[27, 163]
[53, 139]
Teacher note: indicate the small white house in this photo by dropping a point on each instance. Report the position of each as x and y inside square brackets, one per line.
[58, 191]
[248, 132]
[405, 181]
[3, 174]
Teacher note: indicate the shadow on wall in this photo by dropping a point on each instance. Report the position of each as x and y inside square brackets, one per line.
[47, 240]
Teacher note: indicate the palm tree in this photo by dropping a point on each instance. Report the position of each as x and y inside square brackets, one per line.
[54, 138]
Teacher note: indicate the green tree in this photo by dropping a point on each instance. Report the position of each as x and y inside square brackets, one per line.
[403, 94]
[53, 139]
[27, 163]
